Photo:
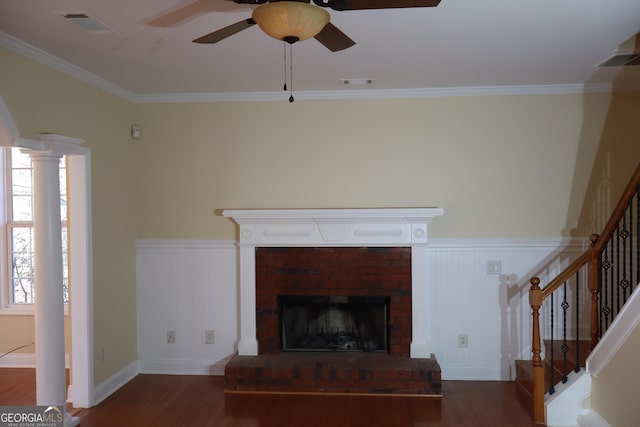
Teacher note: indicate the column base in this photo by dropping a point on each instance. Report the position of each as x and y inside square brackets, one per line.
[70, 421]
[248, 347]
[420, 350]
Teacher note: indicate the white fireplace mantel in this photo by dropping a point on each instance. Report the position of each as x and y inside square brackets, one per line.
[334, 227]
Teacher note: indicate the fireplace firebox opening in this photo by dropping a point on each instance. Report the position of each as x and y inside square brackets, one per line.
[334, 323]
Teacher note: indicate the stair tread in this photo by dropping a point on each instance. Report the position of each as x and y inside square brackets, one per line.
[524, 368]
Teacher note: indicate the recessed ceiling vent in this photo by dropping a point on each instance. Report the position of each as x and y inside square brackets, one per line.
[357, 81]
[87, 22]
[621, 59]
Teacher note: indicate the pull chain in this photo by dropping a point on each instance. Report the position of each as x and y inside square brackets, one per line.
[291, 72]
[284, 44]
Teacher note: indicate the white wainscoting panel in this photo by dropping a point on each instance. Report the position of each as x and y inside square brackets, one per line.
[192, 286]
[492, 310]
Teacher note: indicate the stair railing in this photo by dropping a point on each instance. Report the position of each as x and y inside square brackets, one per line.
[607, 271]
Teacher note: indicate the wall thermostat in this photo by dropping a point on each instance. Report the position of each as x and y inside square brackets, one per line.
[135, 131]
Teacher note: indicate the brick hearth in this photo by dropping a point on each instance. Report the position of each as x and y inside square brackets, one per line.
[334, 372]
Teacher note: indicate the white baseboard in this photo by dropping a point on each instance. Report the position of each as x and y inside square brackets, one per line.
[476, 373]
[182, 367]
[115, 381]
[165, 367]
[23, 360]
[591, 419]
[18, 360]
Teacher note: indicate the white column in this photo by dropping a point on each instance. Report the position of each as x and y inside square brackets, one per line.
[51, 383]
[248, 345]
[419, 295]
[49, 304]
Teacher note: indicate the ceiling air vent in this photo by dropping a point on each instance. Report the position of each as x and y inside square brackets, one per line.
[358, 81]
[87, 22]
[621, 59]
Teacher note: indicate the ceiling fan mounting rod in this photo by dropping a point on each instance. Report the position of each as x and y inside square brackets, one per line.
[333, 4]
[266, 1]
[250, 1]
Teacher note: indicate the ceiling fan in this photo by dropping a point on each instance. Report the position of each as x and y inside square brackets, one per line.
[330, 36]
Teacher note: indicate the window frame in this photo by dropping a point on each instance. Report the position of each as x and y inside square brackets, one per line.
[7, 304]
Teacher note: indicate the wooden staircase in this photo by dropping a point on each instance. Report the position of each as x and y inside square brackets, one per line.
[595, 286]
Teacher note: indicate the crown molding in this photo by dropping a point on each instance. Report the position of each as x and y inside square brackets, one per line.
[38, 55]
[377, 94]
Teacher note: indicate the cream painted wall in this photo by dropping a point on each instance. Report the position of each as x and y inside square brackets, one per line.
[43, 100]
[16, 331]
[616, 155]
[500, 166]
[615, 389]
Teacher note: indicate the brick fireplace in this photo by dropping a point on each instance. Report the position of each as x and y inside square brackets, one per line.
[338, 273]
[334, 256]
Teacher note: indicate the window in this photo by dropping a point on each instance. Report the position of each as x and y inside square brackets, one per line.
[19, 234]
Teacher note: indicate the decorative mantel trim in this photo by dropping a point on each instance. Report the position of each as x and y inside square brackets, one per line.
[334, 227]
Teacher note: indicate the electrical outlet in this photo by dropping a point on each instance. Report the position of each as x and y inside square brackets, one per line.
[463, 340]
[105, 355]
[171, 337]
[209, 337]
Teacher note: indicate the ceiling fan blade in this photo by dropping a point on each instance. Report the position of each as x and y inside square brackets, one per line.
[333, 38]
[389, 4]
[225, 32]
[375, 4]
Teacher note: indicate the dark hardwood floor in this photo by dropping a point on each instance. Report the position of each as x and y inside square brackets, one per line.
[184, 401]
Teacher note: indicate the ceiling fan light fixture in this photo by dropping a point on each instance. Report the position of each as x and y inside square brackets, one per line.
[290, 21]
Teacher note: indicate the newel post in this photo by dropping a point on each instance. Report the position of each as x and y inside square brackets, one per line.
[594, 289]
[535, 299]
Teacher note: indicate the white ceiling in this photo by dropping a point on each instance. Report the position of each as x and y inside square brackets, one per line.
[459, 44]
